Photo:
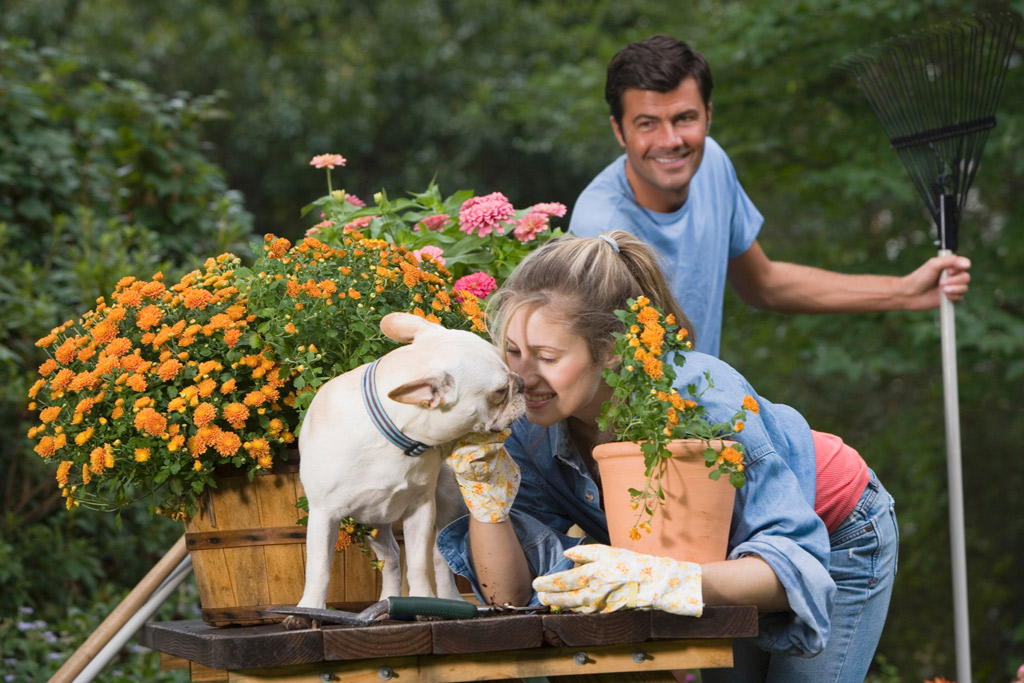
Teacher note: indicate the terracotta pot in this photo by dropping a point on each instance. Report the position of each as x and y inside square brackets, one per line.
[692, 524]
[249, 553]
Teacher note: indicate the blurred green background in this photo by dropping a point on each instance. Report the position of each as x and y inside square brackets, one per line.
[143, 136]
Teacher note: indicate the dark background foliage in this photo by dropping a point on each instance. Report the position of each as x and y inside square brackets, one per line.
[144, 136]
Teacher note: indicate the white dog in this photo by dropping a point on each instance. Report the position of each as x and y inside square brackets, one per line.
[368, 448]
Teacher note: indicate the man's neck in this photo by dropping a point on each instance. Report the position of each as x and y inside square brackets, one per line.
[654, 199]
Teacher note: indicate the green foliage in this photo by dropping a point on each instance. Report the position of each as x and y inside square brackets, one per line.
[426, 219]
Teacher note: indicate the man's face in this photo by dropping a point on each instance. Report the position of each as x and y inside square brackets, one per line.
[663, 135]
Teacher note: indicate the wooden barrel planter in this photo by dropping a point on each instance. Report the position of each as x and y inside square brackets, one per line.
[249, 552]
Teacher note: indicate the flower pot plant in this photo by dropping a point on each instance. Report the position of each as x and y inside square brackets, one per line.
[667, 452]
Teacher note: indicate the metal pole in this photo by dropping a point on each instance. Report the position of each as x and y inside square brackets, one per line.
[954, 470]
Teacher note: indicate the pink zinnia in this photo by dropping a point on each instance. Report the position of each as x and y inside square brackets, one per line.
[528, 227]
[327, 161]
[481, 215]
[430, 250]
[549, 208]
[478, 284]
[435, 222]
[356, 201]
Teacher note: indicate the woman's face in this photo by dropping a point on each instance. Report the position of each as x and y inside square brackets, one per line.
[561, 379]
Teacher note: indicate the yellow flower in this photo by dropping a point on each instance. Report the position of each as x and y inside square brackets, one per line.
[141, 454]
[83, 436]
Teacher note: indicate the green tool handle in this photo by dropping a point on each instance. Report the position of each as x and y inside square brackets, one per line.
[431, 607]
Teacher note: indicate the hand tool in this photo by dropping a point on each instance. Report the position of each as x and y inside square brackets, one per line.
[406, 607]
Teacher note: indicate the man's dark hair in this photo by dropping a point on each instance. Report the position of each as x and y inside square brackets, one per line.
[659, 63]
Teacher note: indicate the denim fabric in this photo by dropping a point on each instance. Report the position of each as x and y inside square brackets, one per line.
[773, 516]
[718, 222]
[864, 556]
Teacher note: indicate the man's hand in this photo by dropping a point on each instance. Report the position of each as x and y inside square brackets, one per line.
[608, 579]
[487, 475]
[947, 274]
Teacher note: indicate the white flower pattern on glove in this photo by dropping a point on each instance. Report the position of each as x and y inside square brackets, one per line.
[487, 475]
[608, 579]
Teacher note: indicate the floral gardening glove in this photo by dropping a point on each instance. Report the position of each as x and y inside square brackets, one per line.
[607, 579]
[487, 475]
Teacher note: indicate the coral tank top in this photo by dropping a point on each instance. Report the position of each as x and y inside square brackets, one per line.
[842, 477]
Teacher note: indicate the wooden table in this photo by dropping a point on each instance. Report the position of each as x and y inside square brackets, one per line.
[485, 648]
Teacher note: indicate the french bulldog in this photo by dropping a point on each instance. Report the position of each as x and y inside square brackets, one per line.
[354, 439]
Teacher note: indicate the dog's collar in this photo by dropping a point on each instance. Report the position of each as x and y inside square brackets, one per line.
[380, 419]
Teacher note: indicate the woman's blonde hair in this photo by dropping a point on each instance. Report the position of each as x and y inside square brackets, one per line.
[585, 280]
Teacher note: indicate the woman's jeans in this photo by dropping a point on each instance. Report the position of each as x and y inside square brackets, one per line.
[863, 564]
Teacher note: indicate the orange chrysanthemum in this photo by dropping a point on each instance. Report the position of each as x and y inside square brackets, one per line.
[197, 298]
[204, 414]
[150, 422]
[236, 414]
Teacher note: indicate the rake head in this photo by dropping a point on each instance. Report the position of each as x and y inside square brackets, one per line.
[935, 93]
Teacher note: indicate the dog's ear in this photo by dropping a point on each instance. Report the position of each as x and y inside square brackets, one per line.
[403, 327]
[426, 392]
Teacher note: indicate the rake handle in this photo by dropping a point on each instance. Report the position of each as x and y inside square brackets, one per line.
[954, 471]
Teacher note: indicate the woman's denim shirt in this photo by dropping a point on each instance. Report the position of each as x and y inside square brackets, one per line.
[773, 517]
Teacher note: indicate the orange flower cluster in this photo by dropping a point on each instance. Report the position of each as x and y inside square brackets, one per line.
[330, 299]
[148, 393]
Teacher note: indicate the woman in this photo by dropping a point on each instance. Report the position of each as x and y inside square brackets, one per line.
[554, 318]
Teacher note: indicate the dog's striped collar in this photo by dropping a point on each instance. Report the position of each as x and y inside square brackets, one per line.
[381, 420]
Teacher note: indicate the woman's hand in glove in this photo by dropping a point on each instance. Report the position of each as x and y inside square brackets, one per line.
[607, 579]
[487, 475]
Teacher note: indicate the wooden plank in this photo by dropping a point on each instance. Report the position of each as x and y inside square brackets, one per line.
[205, 540]
[656, 656]
[488, 634]
[205, 674]
[285, 565]
[234, 648]
[171, 663]
[240, 505]
[738, 621]
[597, 629]
[389, 639]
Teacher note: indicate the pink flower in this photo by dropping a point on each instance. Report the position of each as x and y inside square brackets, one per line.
[549, 208]
[478, 284]
[354, 200]
[528, 227]
[319, 227]
[435, 222]
[327, 161]
[481, 215]
[430, 250]
[357, 223]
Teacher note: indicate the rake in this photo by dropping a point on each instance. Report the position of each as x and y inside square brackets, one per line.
[935, 94]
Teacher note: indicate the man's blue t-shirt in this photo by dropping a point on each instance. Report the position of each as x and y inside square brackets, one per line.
[718, 222]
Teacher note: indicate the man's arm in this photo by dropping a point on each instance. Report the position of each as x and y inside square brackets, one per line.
[793, 288]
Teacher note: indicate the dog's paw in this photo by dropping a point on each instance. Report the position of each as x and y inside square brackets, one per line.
[297, 623]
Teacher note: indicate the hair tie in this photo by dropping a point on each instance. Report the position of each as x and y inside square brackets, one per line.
[611, 241]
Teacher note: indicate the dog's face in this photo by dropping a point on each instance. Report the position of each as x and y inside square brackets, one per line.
[459, 378]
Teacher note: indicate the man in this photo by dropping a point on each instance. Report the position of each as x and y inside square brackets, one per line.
[676, 188]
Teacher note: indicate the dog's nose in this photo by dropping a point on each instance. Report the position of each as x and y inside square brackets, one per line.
[519, 384]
